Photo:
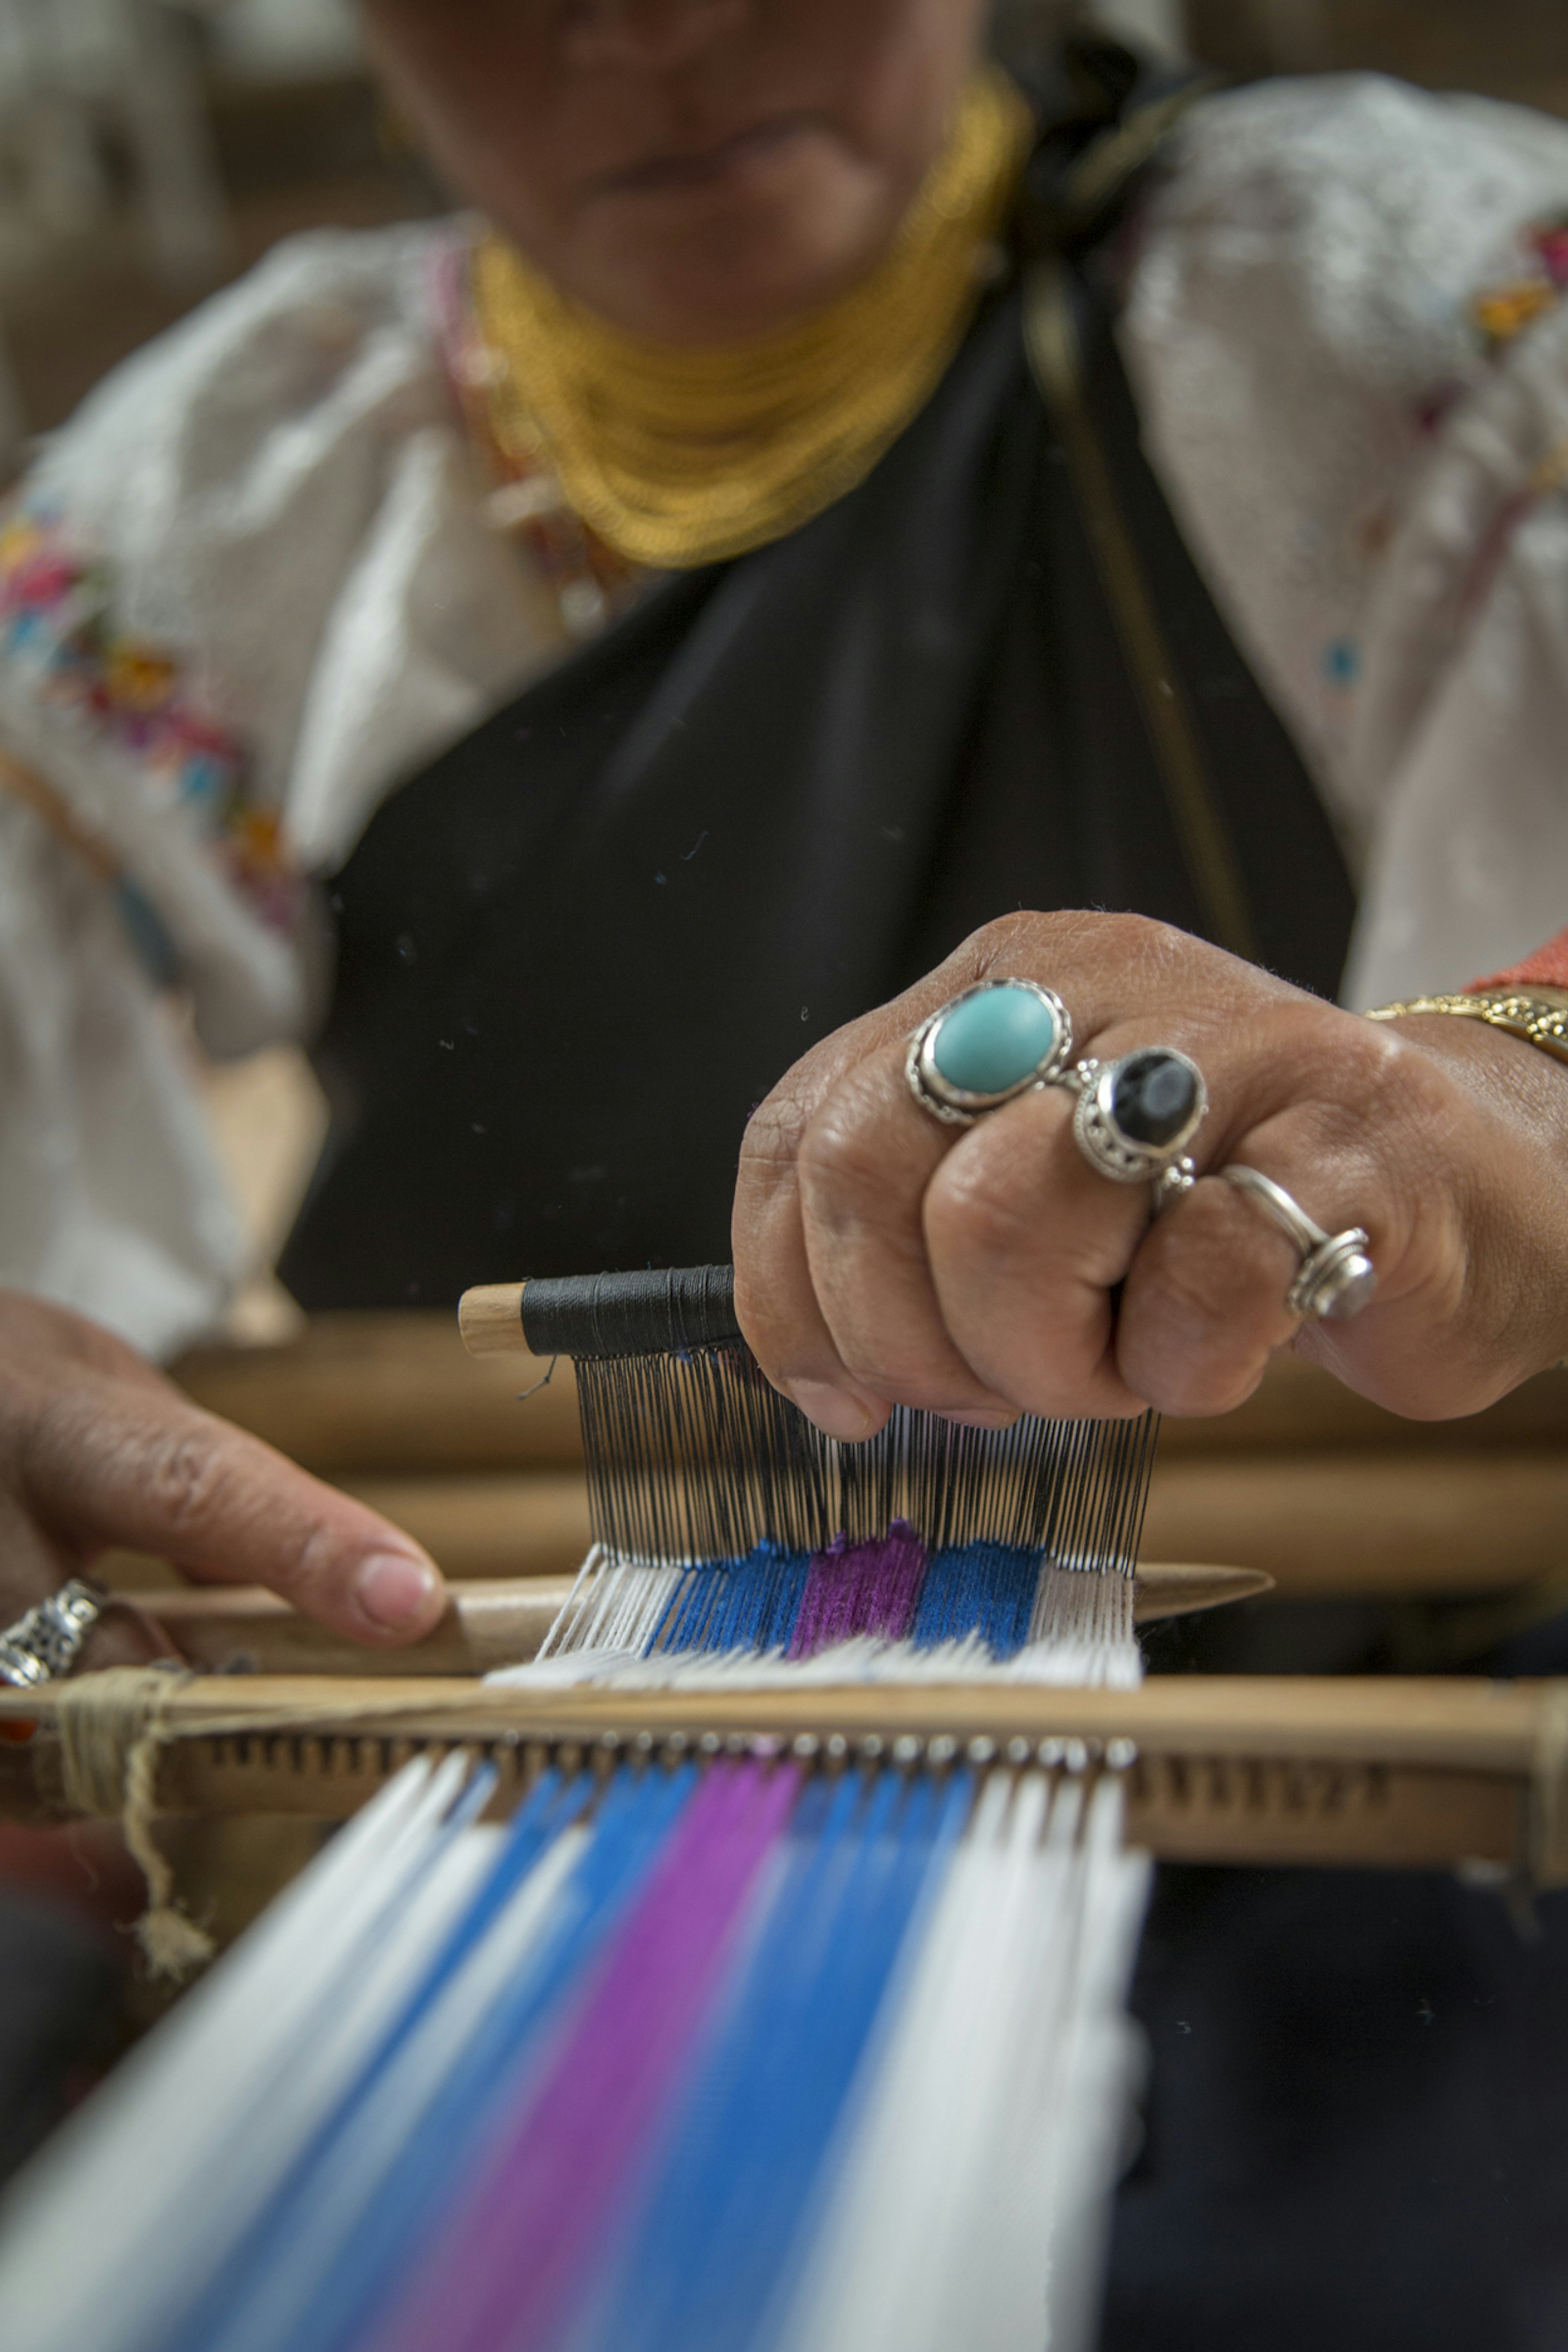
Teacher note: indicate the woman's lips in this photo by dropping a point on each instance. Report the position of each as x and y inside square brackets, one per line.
[661, 174]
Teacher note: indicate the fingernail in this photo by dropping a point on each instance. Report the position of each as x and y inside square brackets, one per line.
[392, 1590]
[977, 1417]
[833, 1410]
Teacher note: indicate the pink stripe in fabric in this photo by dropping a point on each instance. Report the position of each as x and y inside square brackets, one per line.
[860, 1588]
[509, 2274]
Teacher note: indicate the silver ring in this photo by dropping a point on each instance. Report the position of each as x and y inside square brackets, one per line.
[1336, 1277]
[44, 1646]
[1133, 1124]
[941, 1092]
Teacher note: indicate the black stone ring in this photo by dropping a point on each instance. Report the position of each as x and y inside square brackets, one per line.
[1135, 1117]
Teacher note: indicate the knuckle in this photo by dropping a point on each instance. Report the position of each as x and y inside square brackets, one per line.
[1002, 935]
[1193, 1305]
[1198, 1388]
[1374, 1089]
[187, 1479]
[313, 1564]
[1189, 1371]
[935, 1386]
[843, 1160]
[1142, 939]
[970, 1212]
[774, 1130]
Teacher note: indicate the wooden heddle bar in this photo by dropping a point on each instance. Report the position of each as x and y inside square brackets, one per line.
[1409, 1772]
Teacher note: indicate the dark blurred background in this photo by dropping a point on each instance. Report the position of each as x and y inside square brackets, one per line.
[152, 148]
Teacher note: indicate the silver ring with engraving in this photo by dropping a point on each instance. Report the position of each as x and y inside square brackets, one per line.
[1336, 1278]
[44, 1645]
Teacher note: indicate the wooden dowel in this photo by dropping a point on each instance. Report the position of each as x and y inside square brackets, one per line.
[501, 1623]
[490, 1319]
[362, 1392]
[359, 1391]
[495, 1622]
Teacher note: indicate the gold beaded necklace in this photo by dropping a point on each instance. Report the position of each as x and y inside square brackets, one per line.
[678, 457]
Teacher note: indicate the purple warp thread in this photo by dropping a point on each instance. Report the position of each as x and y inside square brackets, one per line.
[860, 1588]
[507, 2274]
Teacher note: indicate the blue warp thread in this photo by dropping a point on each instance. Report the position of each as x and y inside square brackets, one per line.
[986, 1589]
[740, 2180]
[753, 1603]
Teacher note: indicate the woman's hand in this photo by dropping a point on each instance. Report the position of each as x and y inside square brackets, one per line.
[882, 1258]
[97, 1449]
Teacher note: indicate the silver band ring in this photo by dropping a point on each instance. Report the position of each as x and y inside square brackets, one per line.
[1134, 1118]
[1336, 1277]
[44, 1645]
[986, 1045]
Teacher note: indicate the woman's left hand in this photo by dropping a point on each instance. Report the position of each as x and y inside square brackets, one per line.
[883, 1257]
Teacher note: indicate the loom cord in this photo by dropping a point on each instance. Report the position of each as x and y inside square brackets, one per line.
[111, 1726]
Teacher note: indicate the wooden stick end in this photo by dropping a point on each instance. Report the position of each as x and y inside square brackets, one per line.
[490, 1319]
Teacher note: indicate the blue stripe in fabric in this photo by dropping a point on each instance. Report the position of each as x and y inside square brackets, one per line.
[740, 2173]
[481, 2093]
[426, 2177]
[749, 1603]
[550, 1806]
[984, 1589]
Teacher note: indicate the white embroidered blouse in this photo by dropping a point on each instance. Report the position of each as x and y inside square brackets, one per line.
[258, 582]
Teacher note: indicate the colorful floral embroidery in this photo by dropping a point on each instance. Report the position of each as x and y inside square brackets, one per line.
[1504, 312]
[57, 614]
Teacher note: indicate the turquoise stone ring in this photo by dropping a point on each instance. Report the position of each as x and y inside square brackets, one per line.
[998, 1039]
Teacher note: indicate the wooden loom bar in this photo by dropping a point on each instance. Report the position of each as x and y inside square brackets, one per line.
[1415, 1772]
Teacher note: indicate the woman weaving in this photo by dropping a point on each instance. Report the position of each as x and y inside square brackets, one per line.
[727, 595]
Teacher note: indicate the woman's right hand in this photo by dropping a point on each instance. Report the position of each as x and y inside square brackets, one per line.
[99, 1450]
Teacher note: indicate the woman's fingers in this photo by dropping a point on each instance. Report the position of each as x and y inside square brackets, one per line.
[94, 1453]
[33, 1566]
[1027, 1243]
[122, 1466]
[1204, 1304]
[865, 1162]
[883, 1257]
[977, 1271]
[775, 1299]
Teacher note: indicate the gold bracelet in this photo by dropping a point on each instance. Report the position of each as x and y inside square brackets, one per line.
[1539, 1019]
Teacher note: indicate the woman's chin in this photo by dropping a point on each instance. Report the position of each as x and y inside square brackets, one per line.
[694, 293]
[715, 264]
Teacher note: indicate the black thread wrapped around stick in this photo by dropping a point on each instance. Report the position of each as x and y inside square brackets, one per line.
[662, 1311]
